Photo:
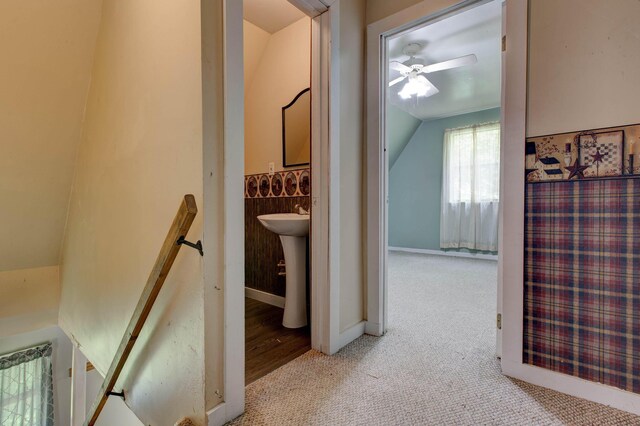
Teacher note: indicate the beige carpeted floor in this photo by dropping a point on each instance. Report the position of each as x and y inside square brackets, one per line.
[435, 366]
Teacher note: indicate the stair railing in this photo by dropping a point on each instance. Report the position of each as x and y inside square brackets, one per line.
[172, 243]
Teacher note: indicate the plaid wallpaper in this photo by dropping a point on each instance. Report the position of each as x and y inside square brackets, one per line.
[582, 279]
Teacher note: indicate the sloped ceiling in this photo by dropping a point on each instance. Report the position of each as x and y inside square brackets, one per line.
[47, 49]
[271, 15]
[400, 128]
[462, 90]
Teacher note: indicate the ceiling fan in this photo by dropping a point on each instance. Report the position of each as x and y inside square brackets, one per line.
[413, 68]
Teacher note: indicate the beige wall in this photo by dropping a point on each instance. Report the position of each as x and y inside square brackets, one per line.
[255, 41]
[351, 50]
[283, 70]
[29, 299]
[141, 151]
[379, 9]
[583, 65]
[47, 48]
[115, 412]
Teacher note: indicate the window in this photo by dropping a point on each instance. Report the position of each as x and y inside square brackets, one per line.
[470, 188]
[473, 163]
[26, 387]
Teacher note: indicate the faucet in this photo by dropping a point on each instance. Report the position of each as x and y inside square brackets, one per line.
[300, 210]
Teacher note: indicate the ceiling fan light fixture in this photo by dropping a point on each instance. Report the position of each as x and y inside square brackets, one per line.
[418, 86]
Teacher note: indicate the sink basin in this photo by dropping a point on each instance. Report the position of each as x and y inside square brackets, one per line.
[293, 229]
[289, 224]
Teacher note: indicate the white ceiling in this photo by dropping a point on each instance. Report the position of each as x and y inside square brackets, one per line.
[462, 90]
[47, 49]
[271, 15]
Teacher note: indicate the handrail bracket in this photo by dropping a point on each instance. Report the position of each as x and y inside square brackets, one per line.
[120, 394]
[197, 245]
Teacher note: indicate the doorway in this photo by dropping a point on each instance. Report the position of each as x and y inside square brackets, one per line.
[277, 176]
[442, 133]
[225, 188]
[513, 121]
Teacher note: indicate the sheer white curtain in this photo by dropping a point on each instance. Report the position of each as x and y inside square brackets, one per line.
[26, 388]
[470, 188]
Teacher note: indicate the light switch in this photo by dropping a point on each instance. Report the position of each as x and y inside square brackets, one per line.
[272, 169]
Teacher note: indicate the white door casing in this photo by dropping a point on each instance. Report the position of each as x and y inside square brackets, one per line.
[511, 228]
[376, 150]
[323, 313]
[501, 207]
[321, 289]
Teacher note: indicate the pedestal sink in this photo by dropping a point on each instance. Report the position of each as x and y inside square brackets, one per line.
[293, 229]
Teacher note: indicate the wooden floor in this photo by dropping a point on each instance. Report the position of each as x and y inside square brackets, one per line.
[269, 345]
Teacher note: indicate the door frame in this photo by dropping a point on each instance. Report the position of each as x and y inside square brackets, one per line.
[224, 146]
[324, 295]
[377, 158]
[511, 218]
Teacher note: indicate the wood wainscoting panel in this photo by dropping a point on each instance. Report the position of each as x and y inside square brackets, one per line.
[262, 248]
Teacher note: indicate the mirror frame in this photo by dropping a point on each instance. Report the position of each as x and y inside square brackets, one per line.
[284, 145]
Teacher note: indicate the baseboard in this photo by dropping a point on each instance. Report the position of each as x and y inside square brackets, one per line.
[351, 334]
[592, 391]
[264, 297]
[218, 415]
[446, 253]
[373, 329]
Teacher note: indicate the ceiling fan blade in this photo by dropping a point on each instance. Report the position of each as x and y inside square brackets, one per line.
[451, 63]
[396, 81]
[399, 66]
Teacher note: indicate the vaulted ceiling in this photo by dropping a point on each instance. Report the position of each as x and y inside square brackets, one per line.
[47, 49]
[467, 89]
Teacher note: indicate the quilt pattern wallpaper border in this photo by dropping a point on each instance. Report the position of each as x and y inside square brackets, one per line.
[606, 152]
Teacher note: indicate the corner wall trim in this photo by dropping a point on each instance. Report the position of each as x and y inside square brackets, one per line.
[217, 415]
[373, 328]
[351, 334]
[446, 253]
[264, 297]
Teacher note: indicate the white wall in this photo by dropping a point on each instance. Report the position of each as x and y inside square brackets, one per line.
[351, 51]
[282, 71]
[29, 299]
[579, 79]
[61, 360]
[141, 151]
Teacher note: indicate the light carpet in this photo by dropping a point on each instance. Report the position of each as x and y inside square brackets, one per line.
[435, 366]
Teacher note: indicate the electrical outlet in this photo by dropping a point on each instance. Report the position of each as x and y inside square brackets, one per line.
[272, 168]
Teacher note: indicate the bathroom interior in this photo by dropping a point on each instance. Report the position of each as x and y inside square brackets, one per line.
[277, 74]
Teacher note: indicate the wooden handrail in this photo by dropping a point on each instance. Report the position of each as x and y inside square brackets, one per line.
[181, 224]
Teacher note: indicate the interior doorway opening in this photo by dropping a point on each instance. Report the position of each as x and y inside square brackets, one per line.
[442, 125]
[277, 117]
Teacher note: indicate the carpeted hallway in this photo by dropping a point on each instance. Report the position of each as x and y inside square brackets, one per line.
[436, 365]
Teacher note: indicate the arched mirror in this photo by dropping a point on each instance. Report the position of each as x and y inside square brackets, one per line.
[296, 130]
